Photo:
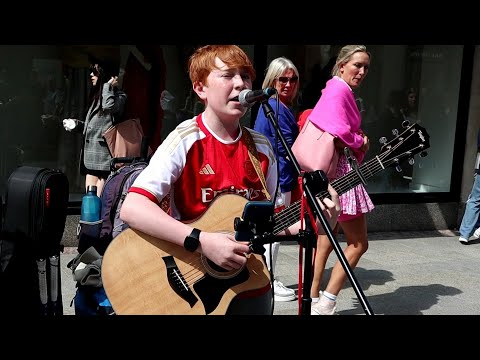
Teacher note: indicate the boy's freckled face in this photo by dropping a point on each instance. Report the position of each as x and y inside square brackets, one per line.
[222, 85]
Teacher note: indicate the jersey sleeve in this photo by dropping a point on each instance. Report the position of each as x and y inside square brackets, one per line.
[167, 163]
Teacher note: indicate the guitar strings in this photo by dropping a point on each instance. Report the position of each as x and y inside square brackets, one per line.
[290, 215]
[351, 177]
[194, 274]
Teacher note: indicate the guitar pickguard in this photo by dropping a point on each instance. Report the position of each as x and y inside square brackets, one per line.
[211, 290]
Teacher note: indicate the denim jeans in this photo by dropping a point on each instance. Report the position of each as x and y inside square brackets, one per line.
[472, 210]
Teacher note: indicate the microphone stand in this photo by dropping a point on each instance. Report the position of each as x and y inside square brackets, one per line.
[307, 238]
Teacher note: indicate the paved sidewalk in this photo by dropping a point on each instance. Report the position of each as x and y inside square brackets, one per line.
[402, 273]
[68, 285]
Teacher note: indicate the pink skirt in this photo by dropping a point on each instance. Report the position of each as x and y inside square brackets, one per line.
[354, 202]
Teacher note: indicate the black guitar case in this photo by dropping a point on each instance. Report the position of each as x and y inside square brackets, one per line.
[35, 212]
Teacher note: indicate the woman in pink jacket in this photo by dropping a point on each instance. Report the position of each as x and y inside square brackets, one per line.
[337, 113]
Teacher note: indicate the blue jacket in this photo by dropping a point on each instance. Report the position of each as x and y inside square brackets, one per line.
[287, 123]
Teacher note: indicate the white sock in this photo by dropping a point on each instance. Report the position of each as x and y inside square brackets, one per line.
[315, 300]
[330, 296]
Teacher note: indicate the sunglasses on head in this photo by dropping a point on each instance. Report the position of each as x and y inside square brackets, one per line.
[285, 79]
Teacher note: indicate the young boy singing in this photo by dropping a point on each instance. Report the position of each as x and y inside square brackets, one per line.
[205, 157]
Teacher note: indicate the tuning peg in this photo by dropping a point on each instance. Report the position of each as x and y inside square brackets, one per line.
[382, 140]
[411, 161]
[395, 132]
[405, 124]
[423, 154]
[398, 168]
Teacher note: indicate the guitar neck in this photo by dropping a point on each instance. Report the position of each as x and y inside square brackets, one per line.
[413, 140]
[291, 214]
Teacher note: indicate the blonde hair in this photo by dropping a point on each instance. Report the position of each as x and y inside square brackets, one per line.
[202, 61]
[345, 54]
[276, 68]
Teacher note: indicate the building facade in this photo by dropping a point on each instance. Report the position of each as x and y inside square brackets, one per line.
[434, 87]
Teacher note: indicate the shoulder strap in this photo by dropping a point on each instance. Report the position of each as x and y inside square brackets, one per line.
[253, 154]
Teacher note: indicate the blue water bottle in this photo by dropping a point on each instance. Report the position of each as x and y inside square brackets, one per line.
[91, 205]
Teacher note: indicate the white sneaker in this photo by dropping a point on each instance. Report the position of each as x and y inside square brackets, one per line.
[463, 240]
[282, 293]
[476, 234]
[324, 308]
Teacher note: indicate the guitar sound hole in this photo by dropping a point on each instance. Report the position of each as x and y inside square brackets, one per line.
[215, 267]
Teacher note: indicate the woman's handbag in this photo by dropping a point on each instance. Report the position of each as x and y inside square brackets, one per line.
[315, 149]
[124, 139]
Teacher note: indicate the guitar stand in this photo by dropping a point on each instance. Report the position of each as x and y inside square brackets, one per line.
[308, 238]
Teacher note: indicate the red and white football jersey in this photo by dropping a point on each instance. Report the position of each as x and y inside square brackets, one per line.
[202, 166]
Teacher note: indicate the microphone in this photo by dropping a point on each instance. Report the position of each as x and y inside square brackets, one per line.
[248, 97]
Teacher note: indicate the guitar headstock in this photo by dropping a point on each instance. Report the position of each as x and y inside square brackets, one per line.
[413, 140]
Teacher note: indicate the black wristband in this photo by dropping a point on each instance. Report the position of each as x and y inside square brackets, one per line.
[192, 241]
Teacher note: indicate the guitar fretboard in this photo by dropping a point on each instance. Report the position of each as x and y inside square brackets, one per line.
[291, 214]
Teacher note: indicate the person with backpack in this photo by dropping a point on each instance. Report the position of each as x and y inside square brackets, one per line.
[205, 157]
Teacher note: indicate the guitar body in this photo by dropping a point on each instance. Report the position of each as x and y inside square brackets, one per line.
[145, 275]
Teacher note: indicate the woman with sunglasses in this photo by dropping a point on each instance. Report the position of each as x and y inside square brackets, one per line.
[106, 105]
[282, 75]
[337, 113]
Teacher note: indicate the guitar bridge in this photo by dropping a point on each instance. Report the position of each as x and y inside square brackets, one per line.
[177, 282]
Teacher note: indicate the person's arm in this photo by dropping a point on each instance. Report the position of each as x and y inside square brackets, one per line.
[263, 126]
[73, 125]
[346, 136]
[145, 215]
[289, 130]
[344, 131]
[337, 113]
[331, 210]
[288, 127]
[141, 209]
[141, 213]
[339, 144]
[113, 101]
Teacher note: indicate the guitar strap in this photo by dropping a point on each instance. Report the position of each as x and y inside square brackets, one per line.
[253, 154]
